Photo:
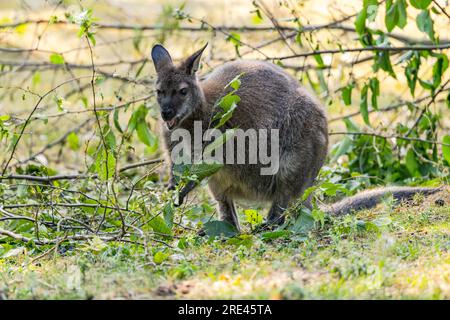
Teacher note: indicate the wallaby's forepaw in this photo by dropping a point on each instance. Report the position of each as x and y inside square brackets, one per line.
[265, 226]
[178, 201]
[171, 186]
[184, 192]
[201, 232]
[269, 225]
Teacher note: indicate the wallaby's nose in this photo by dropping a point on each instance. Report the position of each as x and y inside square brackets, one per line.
[167, 114]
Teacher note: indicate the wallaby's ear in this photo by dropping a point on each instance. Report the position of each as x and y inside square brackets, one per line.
[192, 63]
[161, 57]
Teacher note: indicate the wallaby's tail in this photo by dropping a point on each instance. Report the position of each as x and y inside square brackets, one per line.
[370, 198]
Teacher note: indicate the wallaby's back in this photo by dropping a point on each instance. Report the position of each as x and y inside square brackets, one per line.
[271, 99]
[266, 92]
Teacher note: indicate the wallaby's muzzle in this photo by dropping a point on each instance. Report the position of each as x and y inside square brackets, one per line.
[168, 114]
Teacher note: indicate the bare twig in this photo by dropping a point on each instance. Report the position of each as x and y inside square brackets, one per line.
[75, 176]
[370, 48]
[387, 137]
[41, 97]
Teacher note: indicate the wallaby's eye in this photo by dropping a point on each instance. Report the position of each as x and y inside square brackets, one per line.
[184, 91]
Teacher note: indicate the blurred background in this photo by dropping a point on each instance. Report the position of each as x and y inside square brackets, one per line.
[41, 47]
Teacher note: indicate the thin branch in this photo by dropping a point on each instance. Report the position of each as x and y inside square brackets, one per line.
[75, 176]
[245, 28]
[381, 110]
[29, 118]
[441, 8]
[434, 95]
[387, 137]
[58, 141]
[371, 48]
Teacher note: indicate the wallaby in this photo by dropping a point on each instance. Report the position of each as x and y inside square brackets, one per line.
[270, 98]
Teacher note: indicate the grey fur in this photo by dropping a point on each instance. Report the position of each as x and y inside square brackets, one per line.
[270, 99]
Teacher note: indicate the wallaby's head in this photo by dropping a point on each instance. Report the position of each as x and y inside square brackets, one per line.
[178, 92]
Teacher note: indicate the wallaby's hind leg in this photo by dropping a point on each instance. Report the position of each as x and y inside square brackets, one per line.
[228, 213]
[275, 215]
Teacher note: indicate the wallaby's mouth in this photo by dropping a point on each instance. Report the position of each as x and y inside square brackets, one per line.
[171, 123]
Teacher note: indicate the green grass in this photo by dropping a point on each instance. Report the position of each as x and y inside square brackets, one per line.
[405, 257]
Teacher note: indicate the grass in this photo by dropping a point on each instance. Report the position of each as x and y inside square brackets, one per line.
[402, 254]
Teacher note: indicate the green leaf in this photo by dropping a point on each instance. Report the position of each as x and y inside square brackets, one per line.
[226, 116]
[331, 188]
[168, 213]
[228, 104]
[411, 162]
[257, 17]
[253, 217]
[392, 15]
[375, 88]
[347, 94]
[363, 106]
[59, 102]
[159, 225]
[402, 15]
[146, 136]
[420, 4]
[395, 14]
[110, 139]
[360, 21]
[342, 147]
[219, 229]
[160, 257]
[372, 11]
[319, 60]
[350, 125]
[235, 83]
[439, 68]
[412, 71]
[425, 24]
[73, 141]
[105, 164]
[298, 38]
[56, 58]
[219, 141]
[383, 61]
[368, 11]
[318, 216]
[36, 78]
[234, 38]
[446, 149]
[304, 222]
[229, 101]
[116, 121]
[195, 171]
[274, 234]
[426, 84]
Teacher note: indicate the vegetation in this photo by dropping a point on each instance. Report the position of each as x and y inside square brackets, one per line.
[84, 211]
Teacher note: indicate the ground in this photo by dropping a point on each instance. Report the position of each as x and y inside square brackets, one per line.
[389, 252]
